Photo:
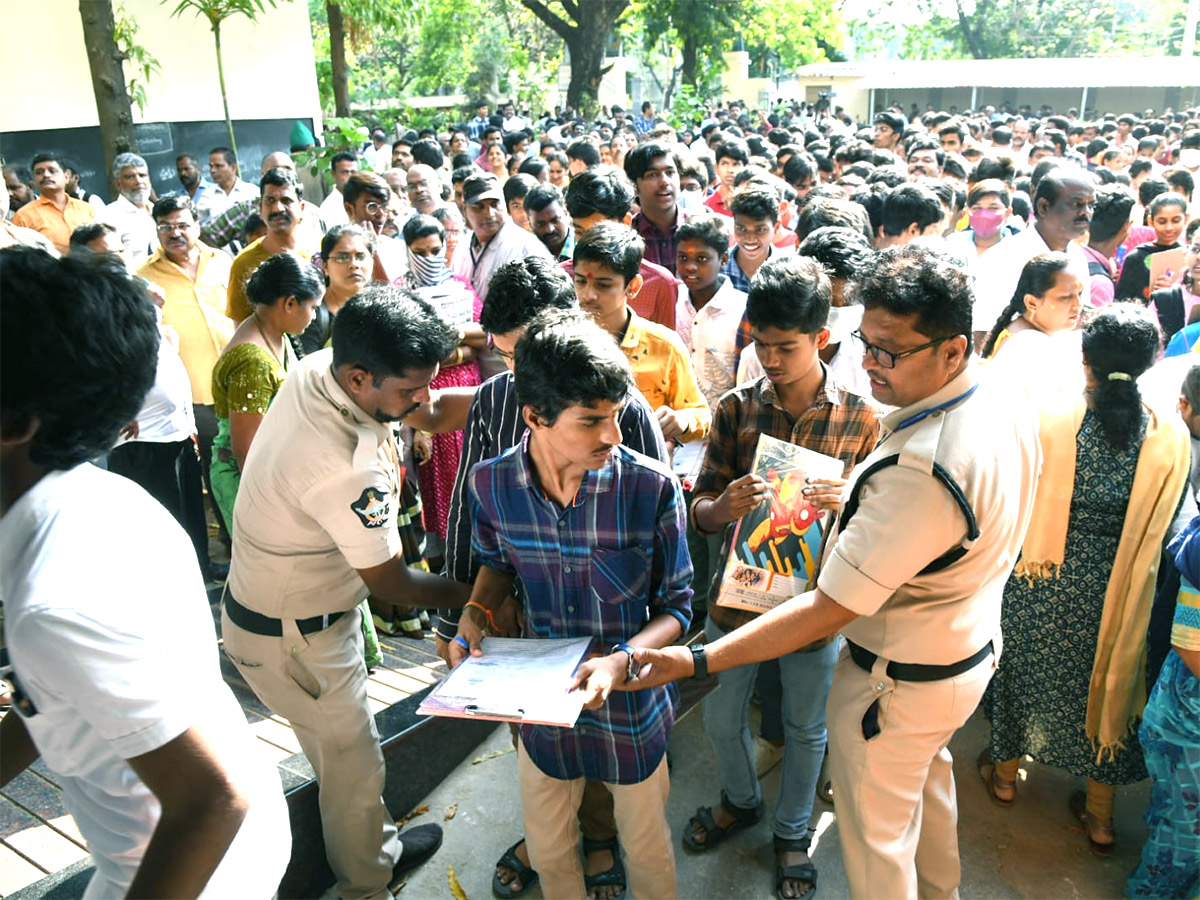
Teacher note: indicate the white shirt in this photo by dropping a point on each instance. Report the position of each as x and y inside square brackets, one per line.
[999, 269]
[710, 335]
[379, 158]
[511, 242]
[136, 228]
[333, 209]
[112, 640]
[166, 414]
[219, 201]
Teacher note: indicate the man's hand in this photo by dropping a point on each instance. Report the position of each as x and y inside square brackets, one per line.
[740, 497]
[659, 667]
[422, 447]
[597, 677]
[470, 629]
[130, 431]
[509, 617]
[442, 648]
[825, 493]
[672, 422]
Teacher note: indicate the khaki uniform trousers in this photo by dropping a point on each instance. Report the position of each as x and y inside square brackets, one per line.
[318, 682]
[894, 793]
[550, 806]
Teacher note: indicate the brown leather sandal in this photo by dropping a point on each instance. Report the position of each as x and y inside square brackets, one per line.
[992, 782]
[1093, 827]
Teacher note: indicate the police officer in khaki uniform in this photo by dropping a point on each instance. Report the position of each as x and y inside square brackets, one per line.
[314, 534]
[929, 529]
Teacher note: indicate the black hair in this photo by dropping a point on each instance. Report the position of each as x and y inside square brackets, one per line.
[1168, 199]
[1121, 340]
[953, 128]
[462, 173]
[584, 151]
[365, 183]
[254, 224]
[521, 289]
[98, 326]
[614, 246]
[47, 157]
[789, 293]
[1039, 174]
[735, 149]
[564, 360]
[757, 202]
[920, 280]
[285, 274]
[84, 234]
[799, 168]
[387, 331]
[889, 176]
[1113, 204]
[517, 186]
[1038, 276]
[1000, 167]
[419, 226]
[164, 206]
[1190, 389]
[429, 153]
[708, 228]
[343, 156]
[600, 189]
[990, 187]
[822, 211]
[1140, 165]
[280, 177]
[907, 205]
[1021, 206]
[923, 143]
[638, 160]
[230, 156]
[536, 167]
[335, 234]
[541, 196]
[1180, 178]
[1151, 188]
[842, 251]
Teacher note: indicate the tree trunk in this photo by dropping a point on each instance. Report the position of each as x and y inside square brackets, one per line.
[972, 35]
[337, 60]
[108, 83]
[586, 39]
[221, 77]
[587, 65]
[690, 61]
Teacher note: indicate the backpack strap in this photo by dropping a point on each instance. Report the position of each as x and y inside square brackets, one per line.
[1095, 267]
[850, 507]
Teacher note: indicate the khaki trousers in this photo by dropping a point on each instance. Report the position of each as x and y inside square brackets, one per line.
[550, 807]
[896, 809]
[318, 683]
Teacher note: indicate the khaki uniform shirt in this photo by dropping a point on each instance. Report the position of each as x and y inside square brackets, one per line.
[906, 518]
[317, 500]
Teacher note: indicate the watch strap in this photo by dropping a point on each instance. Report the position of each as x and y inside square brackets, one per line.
[699, 661]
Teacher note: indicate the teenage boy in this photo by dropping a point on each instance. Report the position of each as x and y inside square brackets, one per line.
[796, 401]
[518, 293]
[755, 211]
[594, 532]
[607, 277]
[731, 157]
[654, 168]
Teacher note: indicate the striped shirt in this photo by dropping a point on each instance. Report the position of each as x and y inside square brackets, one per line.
[494, 424]
[839, 424]
[601, 567]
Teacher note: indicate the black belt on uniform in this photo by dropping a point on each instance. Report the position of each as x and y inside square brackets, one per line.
[898, 671]
[257, 623]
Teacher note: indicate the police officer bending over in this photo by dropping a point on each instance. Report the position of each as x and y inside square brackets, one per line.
[929, 529]
[315, 534]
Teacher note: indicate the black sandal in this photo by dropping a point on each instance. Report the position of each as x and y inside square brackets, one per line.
[525, 874]
[806, 872]
[613, 875]
[713, 833]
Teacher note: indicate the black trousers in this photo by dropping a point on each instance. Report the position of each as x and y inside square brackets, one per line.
[206, 430]
[170, 473]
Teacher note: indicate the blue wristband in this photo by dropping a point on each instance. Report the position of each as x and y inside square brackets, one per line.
[462, 642]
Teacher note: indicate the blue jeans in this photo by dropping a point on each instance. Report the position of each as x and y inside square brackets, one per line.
[806, 679]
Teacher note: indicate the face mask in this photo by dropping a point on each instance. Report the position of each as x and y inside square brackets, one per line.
[842, 321]
[986, 222]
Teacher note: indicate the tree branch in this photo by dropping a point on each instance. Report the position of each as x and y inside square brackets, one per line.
[549, 19]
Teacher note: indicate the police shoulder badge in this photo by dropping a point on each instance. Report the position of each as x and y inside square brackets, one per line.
[372, 507]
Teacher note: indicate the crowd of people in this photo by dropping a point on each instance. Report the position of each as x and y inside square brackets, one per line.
[510, 379]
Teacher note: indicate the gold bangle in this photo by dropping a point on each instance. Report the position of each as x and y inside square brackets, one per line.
[458, 356]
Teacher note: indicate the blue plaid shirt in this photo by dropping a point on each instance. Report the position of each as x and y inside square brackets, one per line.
[601, 567]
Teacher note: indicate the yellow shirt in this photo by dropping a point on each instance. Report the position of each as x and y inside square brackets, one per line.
[664, 373]
[196, 310]
[237, 304]
[56, 224]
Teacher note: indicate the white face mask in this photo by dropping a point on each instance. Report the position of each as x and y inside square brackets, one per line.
[842, 321]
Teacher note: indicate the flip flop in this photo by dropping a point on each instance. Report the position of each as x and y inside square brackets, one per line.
[525, 874]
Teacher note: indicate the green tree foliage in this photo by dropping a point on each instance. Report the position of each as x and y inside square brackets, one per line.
[140, 64]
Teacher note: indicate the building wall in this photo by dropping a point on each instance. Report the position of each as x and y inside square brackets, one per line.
[277, 51]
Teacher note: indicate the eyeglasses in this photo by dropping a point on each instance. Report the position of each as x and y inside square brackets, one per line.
[344, 259]
[168, 228]
[887, 358]
[503, 354]
[373, 208]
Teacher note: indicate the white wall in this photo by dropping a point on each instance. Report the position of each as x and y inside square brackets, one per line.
[269, 70]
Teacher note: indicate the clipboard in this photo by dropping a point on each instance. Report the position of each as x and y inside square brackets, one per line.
[1167, 260]
[522, 680]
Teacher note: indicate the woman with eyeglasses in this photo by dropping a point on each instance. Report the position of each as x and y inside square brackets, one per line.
[1072, 679]
[455, 300]
[347, 257]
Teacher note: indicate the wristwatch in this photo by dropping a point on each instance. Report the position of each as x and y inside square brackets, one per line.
[700, 662]
[633, 666]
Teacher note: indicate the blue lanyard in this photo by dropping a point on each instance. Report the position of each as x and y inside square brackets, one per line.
[926, 413]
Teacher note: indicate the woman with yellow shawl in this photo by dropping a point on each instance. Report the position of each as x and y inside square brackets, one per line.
[1071, 682]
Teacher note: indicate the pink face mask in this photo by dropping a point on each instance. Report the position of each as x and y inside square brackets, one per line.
[986, 222]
